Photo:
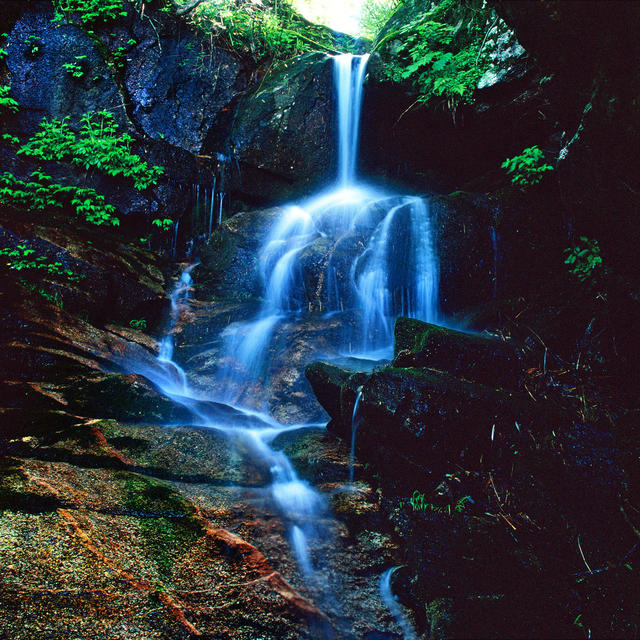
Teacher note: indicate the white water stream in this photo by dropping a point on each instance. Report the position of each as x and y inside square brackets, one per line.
[396, 274]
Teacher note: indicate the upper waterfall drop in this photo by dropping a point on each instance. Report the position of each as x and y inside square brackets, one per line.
[349, 80]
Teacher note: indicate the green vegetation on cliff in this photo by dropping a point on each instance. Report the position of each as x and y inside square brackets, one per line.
[97, 145]
[264, 31]
[439, 52]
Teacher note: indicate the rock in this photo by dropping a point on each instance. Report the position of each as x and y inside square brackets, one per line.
[424, 420]
[283, 132]
[174, 103]
[586, 50]
[463, 355]
[129, 398]
[182, 93]
[327, 381]
[439, 148]
[230, 262]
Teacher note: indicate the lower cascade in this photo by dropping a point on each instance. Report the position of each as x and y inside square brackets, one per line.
[379, 263]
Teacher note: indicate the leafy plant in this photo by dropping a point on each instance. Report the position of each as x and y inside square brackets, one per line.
[439, 53]
[261, 30]
[55, 297]
[375, 14]
[163, 224]
[584, 260]
[75, 68]
[40, 194]
[7, 102]
[138, 324]
[97, 145]
[22, 258]
[528, 168]
[88, 11]
[33, 43]
[119, 57]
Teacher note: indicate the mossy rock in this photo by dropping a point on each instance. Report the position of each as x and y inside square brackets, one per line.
[123, 397]
[336, 390]
[464, 355]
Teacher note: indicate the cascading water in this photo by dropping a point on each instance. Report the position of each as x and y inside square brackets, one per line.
[380, 263]
[349, 80]
[396, 274]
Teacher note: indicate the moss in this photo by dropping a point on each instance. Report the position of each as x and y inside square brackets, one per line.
[168, 522]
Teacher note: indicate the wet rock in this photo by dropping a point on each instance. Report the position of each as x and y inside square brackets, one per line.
[182, 93]
[336, 390]
[230, 262]
[123, 397]
[463, 355]
[283, 132]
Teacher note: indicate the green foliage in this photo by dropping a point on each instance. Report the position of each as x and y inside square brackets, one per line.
[98, 145]
[119, 57]
[439, 53]
[584, 260]
[88, 11]
[22, 258]
[261, 31]
[5, 101]
[163, 224]
[75, 68]
[33, 43]
[138, 324]
[40, 194]
[528, 168]
[54, 297]
[375, 14]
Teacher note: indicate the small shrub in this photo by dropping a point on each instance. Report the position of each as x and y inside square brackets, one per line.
[88, 11]
[97, 145]
[163, 224]
[528, 168]
[75, 68]
[138, 323]
[20, 258]
[584, 260]
[40, 194]
[7, 102]
[439, 53]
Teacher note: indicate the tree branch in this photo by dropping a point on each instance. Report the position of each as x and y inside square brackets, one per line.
[183, 9]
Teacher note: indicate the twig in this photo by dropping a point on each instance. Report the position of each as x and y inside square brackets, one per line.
[157, 34]
[413, 104]
[627, 519]
[586, 564]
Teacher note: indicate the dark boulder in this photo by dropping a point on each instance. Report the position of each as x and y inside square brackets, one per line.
[230, 260]
[283, 131]
[469, 356]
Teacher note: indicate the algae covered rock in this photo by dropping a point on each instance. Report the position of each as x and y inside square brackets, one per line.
[464, 355]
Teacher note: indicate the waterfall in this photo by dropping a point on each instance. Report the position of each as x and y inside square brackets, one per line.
[349, 76]
[381, 262]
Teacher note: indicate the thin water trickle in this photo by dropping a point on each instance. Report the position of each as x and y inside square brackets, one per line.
[392, 604]
[355, 421]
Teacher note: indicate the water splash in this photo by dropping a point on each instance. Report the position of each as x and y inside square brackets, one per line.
[391, 270]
